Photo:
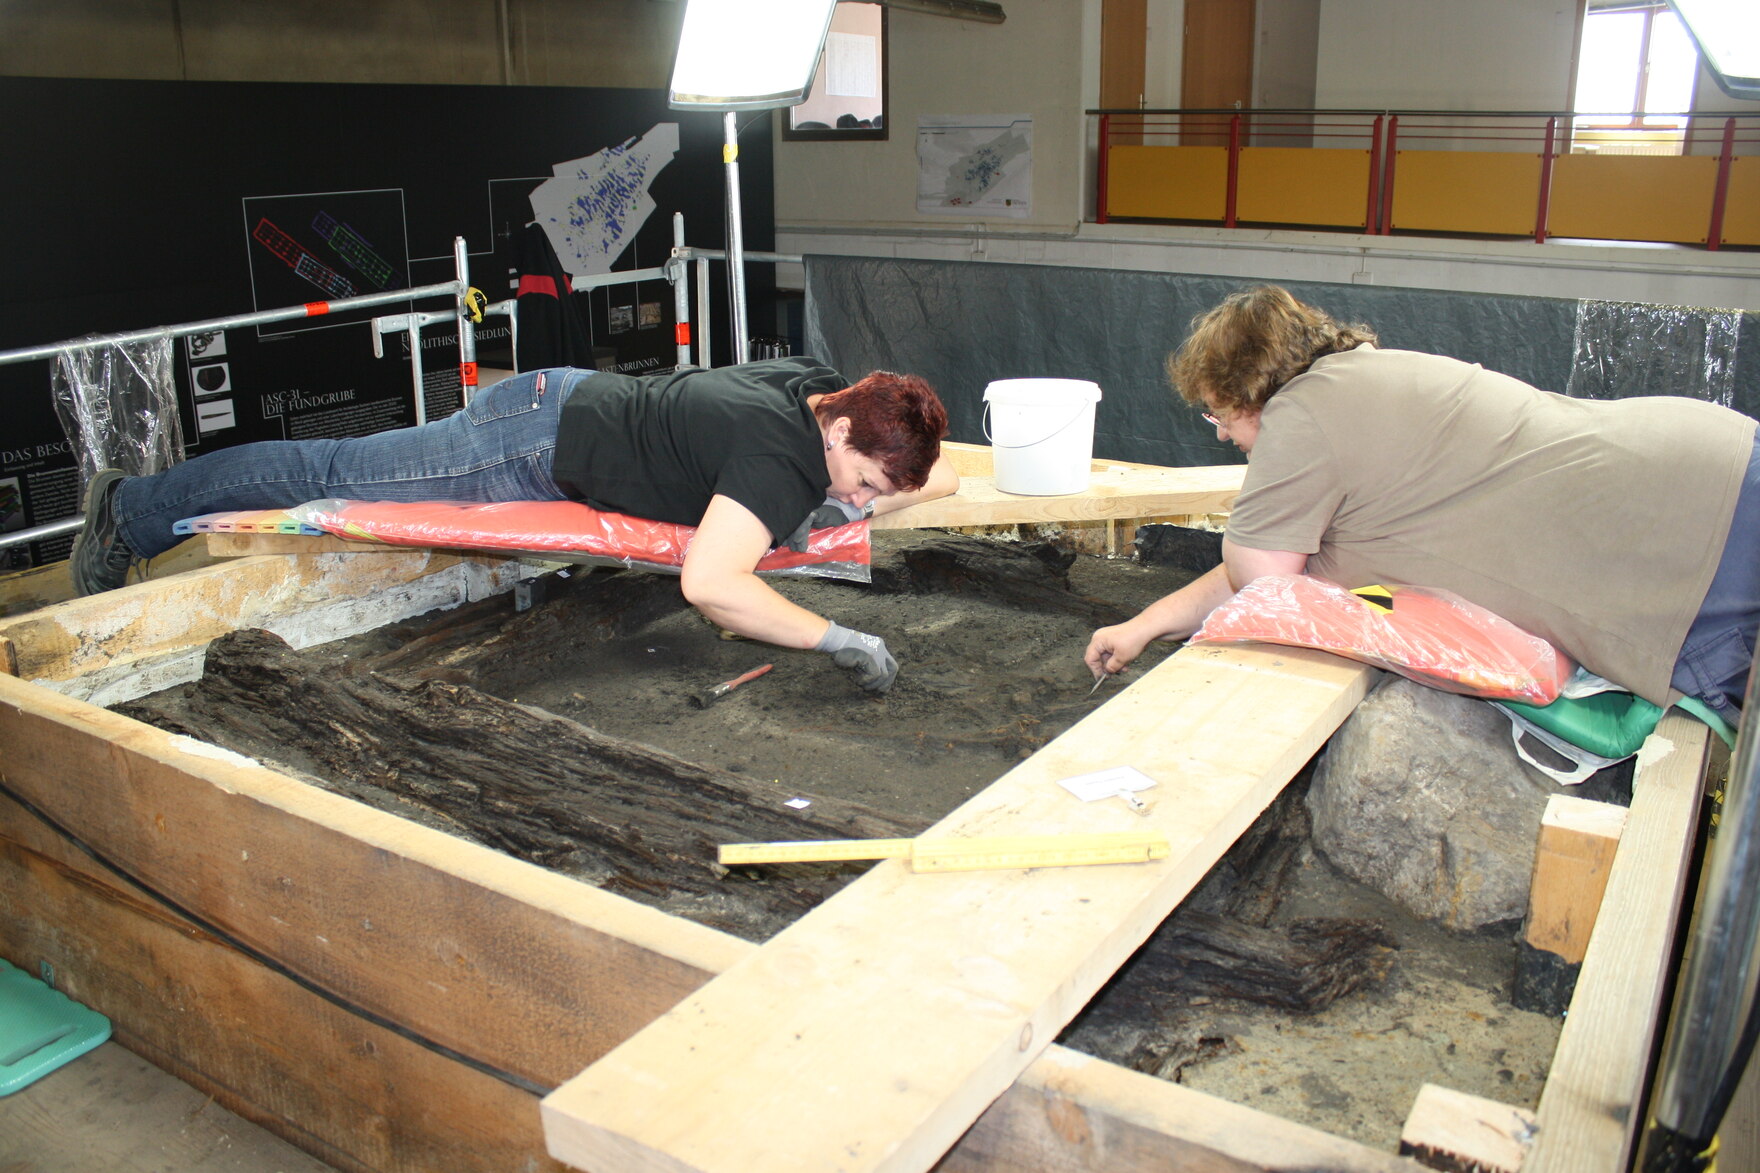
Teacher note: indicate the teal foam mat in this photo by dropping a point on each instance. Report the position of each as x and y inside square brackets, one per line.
[40, 1029]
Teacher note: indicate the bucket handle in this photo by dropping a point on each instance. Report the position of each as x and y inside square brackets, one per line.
[1066, 423]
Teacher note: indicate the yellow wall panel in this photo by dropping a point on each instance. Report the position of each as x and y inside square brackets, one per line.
[1171, 183]
[1741, 209]
[1297, 185]
[1632, 197]
[1466, 191]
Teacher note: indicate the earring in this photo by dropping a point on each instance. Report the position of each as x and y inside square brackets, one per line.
[827, 447]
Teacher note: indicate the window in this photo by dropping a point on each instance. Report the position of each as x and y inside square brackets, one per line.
[848, 96]
[1635, 72]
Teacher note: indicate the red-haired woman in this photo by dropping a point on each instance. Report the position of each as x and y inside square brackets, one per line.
[749, 454]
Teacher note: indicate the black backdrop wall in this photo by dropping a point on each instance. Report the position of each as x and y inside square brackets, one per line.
[961, 324]
[133, 204]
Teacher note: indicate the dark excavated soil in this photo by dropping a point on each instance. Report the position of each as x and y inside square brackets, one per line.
[989, 636]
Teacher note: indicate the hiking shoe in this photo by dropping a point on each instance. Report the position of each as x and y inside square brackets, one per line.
[100, 558]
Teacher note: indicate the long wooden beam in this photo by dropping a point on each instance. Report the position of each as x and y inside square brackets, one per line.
[1114, 492]
[871, 1033]
[1589, 1111]
[305, 599]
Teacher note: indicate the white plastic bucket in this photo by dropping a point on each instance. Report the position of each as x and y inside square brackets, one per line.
[1041, 434]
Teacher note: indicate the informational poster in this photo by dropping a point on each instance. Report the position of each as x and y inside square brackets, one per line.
[852, 65]
[325, 247]
[975, 164]
[594, 207]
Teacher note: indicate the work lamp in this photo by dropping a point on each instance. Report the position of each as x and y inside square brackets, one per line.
[738, 55]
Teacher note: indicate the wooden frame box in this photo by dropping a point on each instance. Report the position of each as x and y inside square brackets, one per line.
[391, 998]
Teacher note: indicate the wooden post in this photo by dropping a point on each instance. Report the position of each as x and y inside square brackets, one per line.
[1578, 839]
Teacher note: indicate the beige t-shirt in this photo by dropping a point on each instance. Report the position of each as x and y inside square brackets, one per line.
[1596, 524]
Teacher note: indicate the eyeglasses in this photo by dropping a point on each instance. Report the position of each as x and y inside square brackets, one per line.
[1212, 420]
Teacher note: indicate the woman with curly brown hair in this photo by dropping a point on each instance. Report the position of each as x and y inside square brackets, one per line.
[1626, 532]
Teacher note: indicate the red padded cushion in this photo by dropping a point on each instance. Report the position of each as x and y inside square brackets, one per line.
[564, 527]
[1432, 636]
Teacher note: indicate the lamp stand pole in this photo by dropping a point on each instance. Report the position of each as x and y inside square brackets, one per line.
[736, 253]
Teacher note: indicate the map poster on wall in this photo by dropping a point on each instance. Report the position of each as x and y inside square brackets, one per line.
[593, 207]
[975, 164]
[325, 247]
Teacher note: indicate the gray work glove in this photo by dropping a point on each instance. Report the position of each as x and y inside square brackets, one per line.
[832, 512]
[864, 654]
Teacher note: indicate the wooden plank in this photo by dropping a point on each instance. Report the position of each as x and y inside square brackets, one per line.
[353, 1094]
[146, 618]
[1588, 1112]
[946, 986]
[1114, 492]
[978, 460]
[1578, 839]
[305, 600]
[542, 971]
[1069, 1113]
[43, 586]
[969, 460]
[1461, 1133]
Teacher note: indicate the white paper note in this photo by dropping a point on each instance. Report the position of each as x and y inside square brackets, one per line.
[1106, 783]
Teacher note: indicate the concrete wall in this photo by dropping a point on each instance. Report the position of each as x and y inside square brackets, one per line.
[1032, 63]
[621, 43]
[1285, 61]
[1445, 55]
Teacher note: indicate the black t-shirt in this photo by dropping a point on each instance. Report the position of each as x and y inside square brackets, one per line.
[660, 446]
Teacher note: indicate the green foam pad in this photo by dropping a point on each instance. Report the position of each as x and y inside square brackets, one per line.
[40, 1029]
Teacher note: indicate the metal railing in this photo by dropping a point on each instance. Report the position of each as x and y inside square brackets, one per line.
[462, 316]
[1435, 143]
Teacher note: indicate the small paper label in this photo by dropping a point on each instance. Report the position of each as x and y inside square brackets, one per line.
[1106, 783]
[799, 803]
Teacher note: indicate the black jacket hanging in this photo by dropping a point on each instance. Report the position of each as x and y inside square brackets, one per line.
[551, 333]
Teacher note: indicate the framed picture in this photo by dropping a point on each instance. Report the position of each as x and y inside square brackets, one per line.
[847, 101]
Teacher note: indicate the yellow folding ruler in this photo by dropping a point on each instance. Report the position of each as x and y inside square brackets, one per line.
[962, 855]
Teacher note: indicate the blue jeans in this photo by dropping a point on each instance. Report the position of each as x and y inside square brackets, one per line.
[1719, 650]
[497, 449]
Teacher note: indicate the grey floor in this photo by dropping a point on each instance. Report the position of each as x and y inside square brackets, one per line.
[110, 1111]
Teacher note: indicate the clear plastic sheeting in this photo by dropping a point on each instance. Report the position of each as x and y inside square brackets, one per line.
[569, 531]
[118, 405]
[1429, 635]
[1625, 349]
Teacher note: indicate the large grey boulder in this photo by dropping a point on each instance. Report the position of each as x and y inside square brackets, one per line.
[1421, 796]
